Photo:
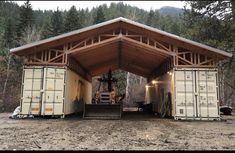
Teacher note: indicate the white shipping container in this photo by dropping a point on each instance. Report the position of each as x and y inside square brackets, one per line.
[52, 91]
[194, 94]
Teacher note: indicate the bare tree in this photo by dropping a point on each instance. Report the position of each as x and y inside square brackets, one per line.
[29, 35]
[8, 72]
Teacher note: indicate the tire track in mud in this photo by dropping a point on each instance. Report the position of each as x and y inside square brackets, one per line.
[127, 134]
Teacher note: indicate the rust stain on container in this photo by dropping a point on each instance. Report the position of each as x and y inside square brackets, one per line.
[34, 109]
[48, 109]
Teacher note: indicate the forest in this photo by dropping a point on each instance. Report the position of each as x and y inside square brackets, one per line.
[208, 22]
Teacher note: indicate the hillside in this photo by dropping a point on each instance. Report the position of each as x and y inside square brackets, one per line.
[167, 10]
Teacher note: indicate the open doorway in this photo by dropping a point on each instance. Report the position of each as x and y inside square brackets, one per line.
[126, 89]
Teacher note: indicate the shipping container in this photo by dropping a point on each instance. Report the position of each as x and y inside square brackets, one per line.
[54, 91]
[187, 94]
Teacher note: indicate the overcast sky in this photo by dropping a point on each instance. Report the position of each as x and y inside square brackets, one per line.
[65, 5]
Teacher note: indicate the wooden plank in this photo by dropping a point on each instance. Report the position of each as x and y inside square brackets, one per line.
[119, 53]
[139, 61]
[95, 45]
[196, 66]
[175, 50]
[104, 69]
[108, 35]
[135, 66]
[46, 56]
[191, 57]
[49, 55]
[98, 55]
[148, 47]
[207, 61]
[81, 66]
[51, 60]
[183, 59]
[36, 59]
[181, 53]
[161, 68]
[66, 58]
[161, 45]
[97, 66]
[45, 64]
[134, 71]
[42, 55]
[78, 68]
[56, 50]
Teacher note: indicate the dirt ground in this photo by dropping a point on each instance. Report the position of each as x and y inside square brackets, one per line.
[132, 132]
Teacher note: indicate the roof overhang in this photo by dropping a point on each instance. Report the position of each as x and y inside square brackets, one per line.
[114, 23]
[120, 52]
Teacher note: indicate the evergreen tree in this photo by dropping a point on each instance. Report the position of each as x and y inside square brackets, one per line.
[213, 23]
[99, 16]
[150, 18]
[53, 25]
[8, 35]
[57, 23]
[72, 20]
[26, 18]
[82, 17]
[46, 30]
[29, 22]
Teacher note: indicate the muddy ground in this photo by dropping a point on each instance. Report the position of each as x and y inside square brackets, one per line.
[132, 132]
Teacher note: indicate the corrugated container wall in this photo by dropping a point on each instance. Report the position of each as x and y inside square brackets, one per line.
[187, 94]
[53, 91]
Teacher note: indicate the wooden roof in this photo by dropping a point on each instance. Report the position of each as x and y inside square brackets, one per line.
[135, 58]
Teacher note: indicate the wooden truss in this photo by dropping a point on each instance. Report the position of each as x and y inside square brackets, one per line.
[174, 56]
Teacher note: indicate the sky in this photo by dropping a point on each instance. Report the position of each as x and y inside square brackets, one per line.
[65, 5]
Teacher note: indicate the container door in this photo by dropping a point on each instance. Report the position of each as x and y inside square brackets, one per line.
[207, 94]
[32, 91]
[185, 94]
[53, 91]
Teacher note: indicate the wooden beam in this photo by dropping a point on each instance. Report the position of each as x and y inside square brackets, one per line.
[134, 71]
[45, 64]
[119, 53]
[207, 61]
[161, 45]
[175, 50]
[104, 69]
[81, 66]
[95, 45]
[195, 66]
[134, 65]
[35, 58]
[78, 44]
[107, 35]
[51, 60]
[56, 50]
[165, 66]
[183, 59]
[102, 64]
[75, 66]
[148, 47]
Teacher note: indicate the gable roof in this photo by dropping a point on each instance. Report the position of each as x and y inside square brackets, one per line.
[59, 39]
